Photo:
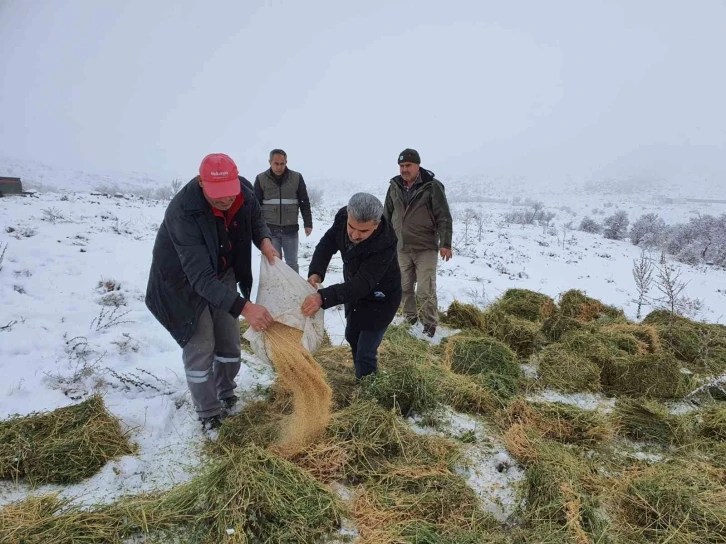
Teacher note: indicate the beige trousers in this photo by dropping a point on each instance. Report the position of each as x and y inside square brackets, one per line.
[419, 269]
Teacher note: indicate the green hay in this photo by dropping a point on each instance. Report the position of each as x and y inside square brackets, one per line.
[672, 502]
[622, 340]
[524, 337]
[558, 421]
[403, 386]
[261, 497]
[576, 304]
[526, 304]
[493, 363]
[463, 394]
[556, 326]
[701, 345]
[557, 494]
[370, 440]
[464, 316]
[62, 446]
[653, 375]
[565, 370]
[645, 419]
[258, 423]
[590, 345]
[418, 504]
[647, 334]
[713, 422]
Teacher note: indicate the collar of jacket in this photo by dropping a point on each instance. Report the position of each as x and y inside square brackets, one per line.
[427, 176]
[382, 237]
[281, 179]
[229, 214]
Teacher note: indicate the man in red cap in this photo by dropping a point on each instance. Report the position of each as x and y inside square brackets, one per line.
[203, 251]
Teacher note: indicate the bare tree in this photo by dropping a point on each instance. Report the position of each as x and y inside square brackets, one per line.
[669, 283]
[176, 184]
[479, 222]
[2, 255]
[467, 217]
[643, 276]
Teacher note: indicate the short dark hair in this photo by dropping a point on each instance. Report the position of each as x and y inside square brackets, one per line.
[277, 152]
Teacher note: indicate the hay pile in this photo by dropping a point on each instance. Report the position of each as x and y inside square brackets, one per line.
[556, 326]
[257, 495]
[62, 446]
[299, 373]
[679, 502]
[526, 304]
[464, 316]
[524, 337]
[701, 345]
[713, 422]
[646, 419]
[559, 489]
[656, 375]
[566, 370]
[494, 364]
[421, 504]
[557, 421]
[576, 304]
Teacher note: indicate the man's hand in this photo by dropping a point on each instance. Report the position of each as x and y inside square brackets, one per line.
[269, 251]
[257, 316]
[312, 304]
[445, 253]
[315, 280]
[308, 230]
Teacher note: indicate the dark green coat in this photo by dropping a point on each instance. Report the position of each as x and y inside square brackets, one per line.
[423, 221]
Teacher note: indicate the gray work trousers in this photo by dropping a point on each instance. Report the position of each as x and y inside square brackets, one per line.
[212, 357]
[286, 244]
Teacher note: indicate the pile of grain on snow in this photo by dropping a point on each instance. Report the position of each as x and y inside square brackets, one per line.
[299, 373]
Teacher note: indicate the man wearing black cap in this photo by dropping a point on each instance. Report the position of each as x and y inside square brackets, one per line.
[417, 208]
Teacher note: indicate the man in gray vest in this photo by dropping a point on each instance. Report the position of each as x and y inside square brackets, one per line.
[282, 194]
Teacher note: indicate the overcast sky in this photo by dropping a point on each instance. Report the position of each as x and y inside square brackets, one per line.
[545, 89]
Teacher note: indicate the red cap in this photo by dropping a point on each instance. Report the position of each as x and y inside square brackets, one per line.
[219, 176]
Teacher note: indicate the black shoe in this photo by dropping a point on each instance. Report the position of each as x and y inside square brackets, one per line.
[429, 330]
[211, 423]
[412, 320]
[228, 405]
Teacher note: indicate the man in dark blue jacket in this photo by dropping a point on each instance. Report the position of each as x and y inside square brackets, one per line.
[371, 290]
[203, 251]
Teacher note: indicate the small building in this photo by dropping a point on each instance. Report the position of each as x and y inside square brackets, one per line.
[10, 186]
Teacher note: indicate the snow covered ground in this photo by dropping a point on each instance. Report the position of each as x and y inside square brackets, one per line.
[73, 320]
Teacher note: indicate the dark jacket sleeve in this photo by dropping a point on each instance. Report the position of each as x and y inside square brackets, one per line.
[258, 191]
[260, 230]
[326, 248]
[188, 241]
[363, 283]
[304, 203]
[388, 206]
[442, 215]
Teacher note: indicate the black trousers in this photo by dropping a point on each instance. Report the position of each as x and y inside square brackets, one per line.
[364, 345]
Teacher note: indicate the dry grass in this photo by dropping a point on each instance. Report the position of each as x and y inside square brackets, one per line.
[62, 446]
[557, 421]
[565, 370]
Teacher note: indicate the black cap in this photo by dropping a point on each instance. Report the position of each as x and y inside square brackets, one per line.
[409, 155]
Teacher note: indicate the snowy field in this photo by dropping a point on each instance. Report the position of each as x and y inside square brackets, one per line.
[73, 319]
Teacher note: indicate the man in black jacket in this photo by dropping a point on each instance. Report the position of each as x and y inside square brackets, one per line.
[203, 250]
[371, 290]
